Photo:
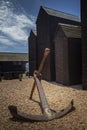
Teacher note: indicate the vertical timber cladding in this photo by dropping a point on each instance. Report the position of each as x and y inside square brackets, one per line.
[46, 25]
[43, 41]
[61, 56]
[84, 42]
[32, 52]
[75, 61]
[68, 54]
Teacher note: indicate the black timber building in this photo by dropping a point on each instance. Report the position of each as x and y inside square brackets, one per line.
[32, 45]
[12, 64]
[68, 60]
[47, 22]
[84, 42]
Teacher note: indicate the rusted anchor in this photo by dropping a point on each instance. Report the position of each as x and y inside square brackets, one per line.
[47, 113]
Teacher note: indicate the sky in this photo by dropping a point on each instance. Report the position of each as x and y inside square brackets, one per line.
[18, 17]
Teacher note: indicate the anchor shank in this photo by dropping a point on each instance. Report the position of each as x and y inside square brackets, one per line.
[44, 103]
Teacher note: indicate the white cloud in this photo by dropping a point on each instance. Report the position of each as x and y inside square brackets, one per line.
[15, 33]
[5, 41]
[14, 25]
[23, 20]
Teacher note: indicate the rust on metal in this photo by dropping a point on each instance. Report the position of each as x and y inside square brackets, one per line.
[47, 113]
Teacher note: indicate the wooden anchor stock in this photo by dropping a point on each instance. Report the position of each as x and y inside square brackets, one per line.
[47, 113]
[39, 72]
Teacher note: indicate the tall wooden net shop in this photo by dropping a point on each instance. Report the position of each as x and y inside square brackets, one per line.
[84, 42]
[61, 32]
[32, 51]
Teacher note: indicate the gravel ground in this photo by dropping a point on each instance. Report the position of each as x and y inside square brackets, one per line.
[15, 92]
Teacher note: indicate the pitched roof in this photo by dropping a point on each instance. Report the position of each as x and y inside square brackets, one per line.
[5, 56]
[60, 14]
[71, 30]
[35, 32]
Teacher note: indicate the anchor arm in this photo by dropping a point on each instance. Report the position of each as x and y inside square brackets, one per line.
[47, 115]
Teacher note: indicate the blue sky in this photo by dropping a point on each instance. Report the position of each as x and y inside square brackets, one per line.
[18, 17]
[68, 6]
